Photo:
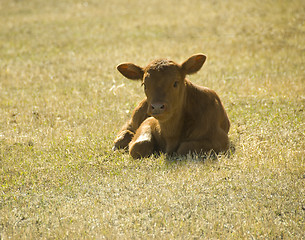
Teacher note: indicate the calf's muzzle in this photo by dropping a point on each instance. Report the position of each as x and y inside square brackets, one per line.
[157, 108]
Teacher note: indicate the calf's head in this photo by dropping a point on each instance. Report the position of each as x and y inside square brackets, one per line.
[164, 83]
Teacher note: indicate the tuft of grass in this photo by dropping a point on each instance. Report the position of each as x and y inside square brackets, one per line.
[62, 102]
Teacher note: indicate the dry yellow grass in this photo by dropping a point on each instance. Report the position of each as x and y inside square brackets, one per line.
[62, 102]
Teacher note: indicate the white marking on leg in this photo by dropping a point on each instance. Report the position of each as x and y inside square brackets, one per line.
[144, 137]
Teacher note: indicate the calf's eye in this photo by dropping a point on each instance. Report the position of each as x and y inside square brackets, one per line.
[175, 84]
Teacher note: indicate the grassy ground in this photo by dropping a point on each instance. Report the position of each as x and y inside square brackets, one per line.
[62, 102]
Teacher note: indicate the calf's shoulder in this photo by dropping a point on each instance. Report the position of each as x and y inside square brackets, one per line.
[203, 112]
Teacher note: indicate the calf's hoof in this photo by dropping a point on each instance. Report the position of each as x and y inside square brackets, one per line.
[141, 149]
[122, 140]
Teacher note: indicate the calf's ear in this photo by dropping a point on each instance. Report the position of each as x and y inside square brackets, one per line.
[131, 71]
[193, 64]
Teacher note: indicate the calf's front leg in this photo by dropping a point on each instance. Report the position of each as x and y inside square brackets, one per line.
[143, 142]
[128, 130]
[122, 139]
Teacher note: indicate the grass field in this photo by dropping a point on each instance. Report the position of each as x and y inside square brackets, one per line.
[62, 102]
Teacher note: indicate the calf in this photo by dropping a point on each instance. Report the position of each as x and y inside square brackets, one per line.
[176, 115]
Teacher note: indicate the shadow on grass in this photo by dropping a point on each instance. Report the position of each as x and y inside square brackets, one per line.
[195, 157]
[200, 157]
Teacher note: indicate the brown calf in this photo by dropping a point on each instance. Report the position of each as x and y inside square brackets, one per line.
[176, 115]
